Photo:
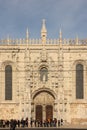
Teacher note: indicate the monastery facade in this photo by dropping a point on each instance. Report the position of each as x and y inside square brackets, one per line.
[43, 78]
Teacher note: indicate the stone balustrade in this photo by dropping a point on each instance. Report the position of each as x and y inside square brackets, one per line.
[38, 41]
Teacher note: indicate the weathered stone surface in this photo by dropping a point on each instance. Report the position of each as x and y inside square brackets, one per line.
[56, 87]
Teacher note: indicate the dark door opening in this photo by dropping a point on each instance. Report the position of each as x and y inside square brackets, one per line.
[49, 112]
[39, 112]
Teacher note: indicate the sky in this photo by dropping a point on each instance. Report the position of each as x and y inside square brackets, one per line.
[68, 15]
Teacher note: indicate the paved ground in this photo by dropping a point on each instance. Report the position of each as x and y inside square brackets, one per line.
[64, 127]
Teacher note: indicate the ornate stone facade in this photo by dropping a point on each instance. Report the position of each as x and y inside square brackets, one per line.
[43, 77]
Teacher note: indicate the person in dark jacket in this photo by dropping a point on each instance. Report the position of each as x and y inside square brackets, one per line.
[12, 124]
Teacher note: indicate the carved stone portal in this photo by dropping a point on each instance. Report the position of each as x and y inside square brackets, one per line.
[44, 100]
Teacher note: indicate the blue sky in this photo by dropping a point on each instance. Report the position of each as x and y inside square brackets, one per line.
[18, 15]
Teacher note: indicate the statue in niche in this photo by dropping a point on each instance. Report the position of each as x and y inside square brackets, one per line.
[43, 74]
[44, 78]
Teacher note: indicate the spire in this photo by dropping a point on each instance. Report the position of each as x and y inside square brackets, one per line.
[27, 34]
[60, 34]
[77, 40]
[8, 39]
[43, 31]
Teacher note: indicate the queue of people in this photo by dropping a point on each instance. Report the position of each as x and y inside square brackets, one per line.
[12, 124]
[46, 123]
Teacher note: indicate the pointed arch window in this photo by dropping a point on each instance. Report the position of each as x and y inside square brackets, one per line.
[43, 74]
[8, 82]
[79, 81]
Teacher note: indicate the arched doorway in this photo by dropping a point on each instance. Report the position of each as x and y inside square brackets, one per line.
[43, 104]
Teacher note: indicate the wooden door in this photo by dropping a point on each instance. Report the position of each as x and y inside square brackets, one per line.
[49, 112]
[39, 112]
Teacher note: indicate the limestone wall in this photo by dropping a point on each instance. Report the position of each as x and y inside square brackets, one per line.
[74, 110]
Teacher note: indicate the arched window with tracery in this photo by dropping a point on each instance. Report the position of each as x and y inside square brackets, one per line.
[43, 74]
[79, 81]
[8, 82]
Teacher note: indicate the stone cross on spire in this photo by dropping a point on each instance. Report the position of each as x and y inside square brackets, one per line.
[43, 32]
